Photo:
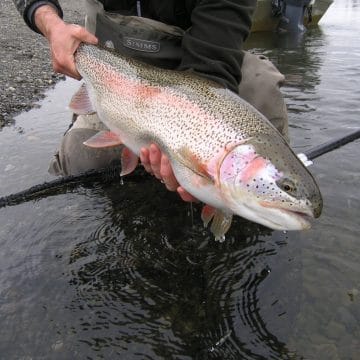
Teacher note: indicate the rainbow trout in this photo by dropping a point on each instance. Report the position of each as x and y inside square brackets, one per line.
[222, 150]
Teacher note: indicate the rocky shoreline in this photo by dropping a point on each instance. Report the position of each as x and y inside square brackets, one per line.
[25, 66]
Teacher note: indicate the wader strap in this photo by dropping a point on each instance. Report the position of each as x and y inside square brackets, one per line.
[141, 38]
[138, 8]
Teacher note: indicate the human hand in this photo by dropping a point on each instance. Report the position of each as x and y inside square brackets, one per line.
[159, 165]
[63, 39]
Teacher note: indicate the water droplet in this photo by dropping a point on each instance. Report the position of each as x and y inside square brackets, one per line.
[220, 238]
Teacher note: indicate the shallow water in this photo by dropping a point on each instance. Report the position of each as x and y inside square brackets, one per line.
[113, 271]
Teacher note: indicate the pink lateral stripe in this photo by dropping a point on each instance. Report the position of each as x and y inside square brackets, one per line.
[129, 89]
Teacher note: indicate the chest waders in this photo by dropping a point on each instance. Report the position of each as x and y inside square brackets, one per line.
[138, 37]
[158, 44]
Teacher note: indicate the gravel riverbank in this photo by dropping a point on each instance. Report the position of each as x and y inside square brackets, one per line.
[25, 66]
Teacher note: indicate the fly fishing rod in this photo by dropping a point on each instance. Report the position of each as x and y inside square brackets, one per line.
[332, 145]
[110, 174]
[66, 183]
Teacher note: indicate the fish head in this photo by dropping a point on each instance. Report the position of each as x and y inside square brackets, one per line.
[264, 181]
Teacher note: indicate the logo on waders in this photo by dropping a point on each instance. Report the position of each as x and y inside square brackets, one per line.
[141, 45]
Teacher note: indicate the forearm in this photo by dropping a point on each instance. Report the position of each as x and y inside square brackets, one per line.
[213, 45]
[29, 8]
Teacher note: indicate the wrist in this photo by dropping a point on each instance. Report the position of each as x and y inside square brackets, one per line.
[46, 17]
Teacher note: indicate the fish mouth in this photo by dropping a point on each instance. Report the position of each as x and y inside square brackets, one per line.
[295, 210]
[303, 218]
[295, 218]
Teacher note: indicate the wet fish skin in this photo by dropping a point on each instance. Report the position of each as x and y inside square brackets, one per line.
[222, 150]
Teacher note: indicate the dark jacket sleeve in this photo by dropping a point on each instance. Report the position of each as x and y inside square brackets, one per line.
[27, 9]
[212, 46]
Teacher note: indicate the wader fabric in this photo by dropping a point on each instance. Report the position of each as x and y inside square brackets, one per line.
[158, 44]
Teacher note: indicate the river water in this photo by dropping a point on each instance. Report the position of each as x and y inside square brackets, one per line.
[115, 272]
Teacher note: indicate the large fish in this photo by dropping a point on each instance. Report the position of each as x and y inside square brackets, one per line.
[222, 150]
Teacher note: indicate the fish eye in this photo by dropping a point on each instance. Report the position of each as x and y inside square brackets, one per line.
[287, 185]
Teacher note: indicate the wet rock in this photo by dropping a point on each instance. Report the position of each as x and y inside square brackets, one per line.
[58, 345]
[26, 71]
[353, 294]
[347, 318]
[9, 167]
[335, 330]
[327, 351]
[319, 339]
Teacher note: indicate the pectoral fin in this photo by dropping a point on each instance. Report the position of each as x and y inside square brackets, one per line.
[207, 213]
[103, 139]
[210, 169]
[220, 224]
[190, 160]
[80, 102]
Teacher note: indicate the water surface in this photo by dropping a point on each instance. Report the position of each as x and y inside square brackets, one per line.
[127, 271]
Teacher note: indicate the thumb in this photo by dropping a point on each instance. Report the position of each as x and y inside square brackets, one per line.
[84, 36]
[90, 38]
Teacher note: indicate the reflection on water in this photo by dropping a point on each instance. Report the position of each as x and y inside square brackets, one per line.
[300, 58]
[113, 271]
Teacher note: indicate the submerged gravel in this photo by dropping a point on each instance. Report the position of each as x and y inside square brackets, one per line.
[25, 65]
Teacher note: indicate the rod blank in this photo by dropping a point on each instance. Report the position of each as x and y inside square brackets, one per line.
[331, 145]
